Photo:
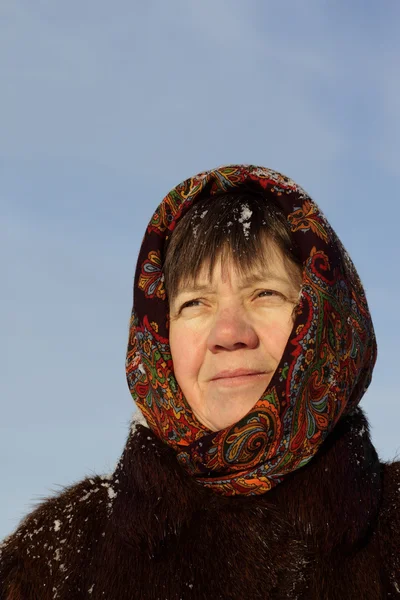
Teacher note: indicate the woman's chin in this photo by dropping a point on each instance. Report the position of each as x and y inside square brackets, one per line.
[222, 405]
[227, 415]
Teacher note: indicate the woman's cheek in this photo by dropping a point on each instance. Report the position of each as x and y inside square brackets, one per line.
[275, 337]
[194, 354]
[186, 352]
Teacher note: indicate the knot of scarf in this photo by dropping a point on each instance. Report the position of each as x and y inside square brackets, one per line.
[323, 373]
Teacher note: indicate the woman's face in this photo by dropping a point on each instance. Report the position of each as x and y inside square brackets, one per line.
[228, 334]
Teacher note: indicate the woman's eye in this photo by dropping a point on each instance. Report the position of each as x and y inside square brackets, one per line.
[190, 303]
[269, 293]
[272, 296]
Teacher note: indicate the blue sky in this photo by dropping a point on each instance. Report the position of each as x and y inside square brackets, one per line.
[106, 107]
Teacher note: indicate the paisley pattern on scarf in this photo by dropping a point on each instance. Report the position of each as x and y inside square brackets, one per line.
[324, 371]
[151, 279]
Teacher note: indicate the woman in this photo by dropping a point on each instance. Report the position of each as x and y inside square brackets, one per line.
[253, 474]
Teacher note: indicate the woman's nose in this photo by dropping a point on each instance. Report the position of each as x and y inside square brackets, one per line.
[231, 331]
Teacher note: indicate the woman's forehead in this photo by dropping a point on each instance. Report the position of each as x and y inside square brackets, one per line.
[268, 264]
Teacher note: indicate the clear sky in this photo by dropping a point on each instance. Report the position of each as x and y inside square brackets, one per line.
[105, 107]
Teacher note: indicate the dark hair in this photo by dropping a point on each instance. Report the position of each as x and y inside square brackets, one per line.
[239, 225]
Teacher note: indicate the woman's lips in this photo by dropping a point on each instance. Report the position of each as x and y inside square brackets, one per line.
[237, 377]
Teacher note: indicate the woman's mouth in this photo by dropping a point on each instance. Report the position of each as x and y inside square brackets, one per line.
[236, 377]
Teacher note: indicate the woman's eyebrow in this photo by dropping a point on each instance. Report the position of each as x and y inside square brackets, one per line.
[257, 278]
[248, 281]
[192, 287]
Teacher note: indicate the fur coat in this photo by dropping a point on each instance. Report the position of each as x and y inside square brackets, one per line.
[330, 531]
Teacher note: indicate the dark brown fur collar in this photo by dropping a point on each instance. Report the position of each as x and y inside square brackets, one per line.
[151, 532]
[333, 501]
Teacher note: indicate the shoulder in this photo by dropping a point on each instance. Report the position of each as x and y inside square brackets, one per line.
[389, 523]
[391, 480]
[69, 537]
[390, 506]
[53, 537]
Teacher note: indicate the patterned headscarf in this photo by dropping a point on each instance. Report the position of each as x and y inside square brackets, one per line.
[324, 371]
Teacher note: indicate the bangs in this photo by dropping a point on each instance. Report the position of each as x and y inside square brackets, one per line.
[243, 228]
